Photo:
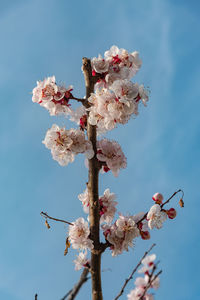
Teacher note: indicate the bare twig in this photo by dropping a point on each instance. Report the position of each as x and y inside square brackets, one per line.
[83, 101]
[74, 291]
[133, 272]
[45, 215]
[36, 296]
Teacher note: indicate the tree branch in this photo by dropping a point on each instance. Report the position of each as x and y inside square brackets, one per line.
[74, 291]
[93, 192]
[133, 272]
[167, 201]
[46, 216]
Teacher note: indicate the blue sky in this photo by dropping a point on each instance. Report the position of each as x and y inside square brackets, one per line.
[44, 38]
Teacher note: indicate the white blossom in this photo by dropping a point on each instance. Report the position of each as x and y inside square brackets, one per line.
[65, 144]
[107, 206]
[84, 198]
[53, 97]
[148, 263]
[81, 260]
[121, 234]
[122, 63]
[156, 217]
[110, 153]
[99, 65]
[79, 235]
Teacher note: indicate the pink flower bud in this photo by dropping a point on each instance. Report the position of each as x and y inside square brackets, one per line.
[145, 235]
[171, 213]
[158, 198]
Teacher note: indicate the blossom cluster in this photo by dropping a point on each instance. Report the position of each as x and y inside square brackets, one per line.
[53, 97]
[121, 234]
[144, 284]
[111, 156]
[157, 215]
[116, 98]
[107, 205]
[65, 144]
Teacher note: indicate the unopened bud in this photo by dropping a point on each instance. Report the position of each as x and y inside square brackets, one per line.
[145, 235]
[158, 198]
[171, 213]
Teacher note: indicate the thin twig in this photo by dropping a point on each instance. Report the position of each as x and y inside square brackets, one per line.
[45, 215]
[150, 282]
[83, 101]
[144, 217]
[133, 272]
[172, 197]
[74, 291]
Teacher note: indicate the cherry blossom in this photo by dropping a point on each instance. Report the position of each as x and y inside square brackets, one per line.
[107, 205]
[53, 97]
[111, 156]
[148, 263]
[79, 235]
[121, 234]
[115, 105]
[81, 261]
[156, 217]
[122, 63]
[65, 144]
[99, 65]
[84, 198]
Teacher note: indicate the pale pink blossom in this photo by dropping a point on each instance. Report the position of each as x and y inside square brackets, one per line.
[79, 235]
[53, 97]
[148, 263]
[81, 261]
[122, 63]
[125, 90]
[107, 206]
[84, 198]
[111, 155]
[65, 144]
[99, 65]
[156, 217]
[114, 105]
[121, 234]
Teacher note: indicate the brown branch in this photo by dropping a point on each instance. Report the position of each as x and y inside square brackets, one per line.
[45, 215]
[172, 197]
[74, 291]
[133, 272]
[83, 101]
[93, 192]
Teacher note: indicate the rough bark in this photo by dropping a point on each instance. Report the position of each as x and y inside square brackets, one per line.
[93, 193]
